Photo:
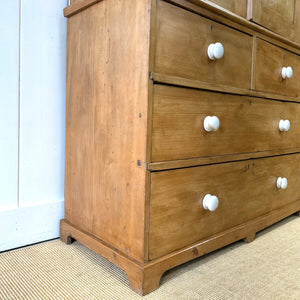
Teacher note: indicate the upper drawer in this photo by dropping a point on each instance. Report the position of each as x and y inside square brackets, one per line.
[246, 124]
[270, 60]
[182, 40]
[245, 190]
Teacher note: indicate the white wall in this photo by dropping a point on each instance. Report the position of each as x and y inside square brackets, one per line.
[9, 99]
[32, 120]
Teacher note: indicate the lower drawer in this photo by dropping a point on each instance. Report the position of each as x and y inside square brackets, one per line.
[245, 190]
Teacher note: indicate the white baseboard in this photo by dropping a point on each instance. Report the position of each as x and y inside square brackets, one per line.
[28, 225]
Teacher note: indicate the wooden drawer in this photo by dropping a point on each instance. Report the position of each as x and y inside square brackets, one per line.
[182, 39]
[246, 124]
[270, 60]
[245, 190]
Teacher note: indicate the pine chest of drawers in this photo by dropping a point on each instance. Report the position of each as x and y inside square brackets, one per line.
[182, 129]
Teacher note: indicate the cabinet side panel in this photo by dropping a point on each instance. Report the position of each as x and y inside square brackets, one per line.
[106, 123]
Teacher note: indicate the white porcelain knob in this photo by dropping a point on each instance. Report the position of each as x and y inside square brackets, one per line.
[215, 51]
[210, 202]
[286, 72]
[211, 123]
[281, 183]
[284, 125]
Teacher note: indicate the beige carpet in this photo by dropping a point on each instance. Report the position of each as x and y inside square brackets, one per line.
[268, 268]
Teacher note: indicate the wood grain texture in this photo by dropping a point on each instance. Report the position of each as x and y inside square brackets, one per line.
[77, 6]
[246, 190]
[149, 127]
[182, 40]
[145, 278]
[213, 11]
[253, 66]
[183, 163]
[133, 269]
[148, 222]
[296, 28]
[269, 62]
[277, 15]
[281, 16]
[106, 125]
[222, 239]
[246, 124]
[142, 279]
[179, 81]
[238, 7]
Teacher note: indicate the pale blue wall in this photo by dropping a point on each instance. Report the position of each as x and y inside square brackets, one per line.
[32, 120]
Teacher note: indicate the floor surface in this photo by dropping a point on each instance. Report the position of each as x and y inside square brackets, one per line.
[267, 268]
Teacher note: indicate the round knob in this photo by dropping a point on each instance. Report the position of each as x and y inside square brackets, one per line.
[211, 123]
[284, 125]
[210, 202]
[215, 51]
[286, 72]
[281, 183]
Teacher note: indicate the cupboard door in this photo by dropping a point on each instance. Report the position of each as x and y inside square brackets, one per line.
[276, 15]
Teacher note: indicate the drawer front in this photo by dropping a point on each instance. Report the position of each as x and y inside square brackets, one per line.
[270, 60]
[182, 39]
[246, 124]
[245, 190]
